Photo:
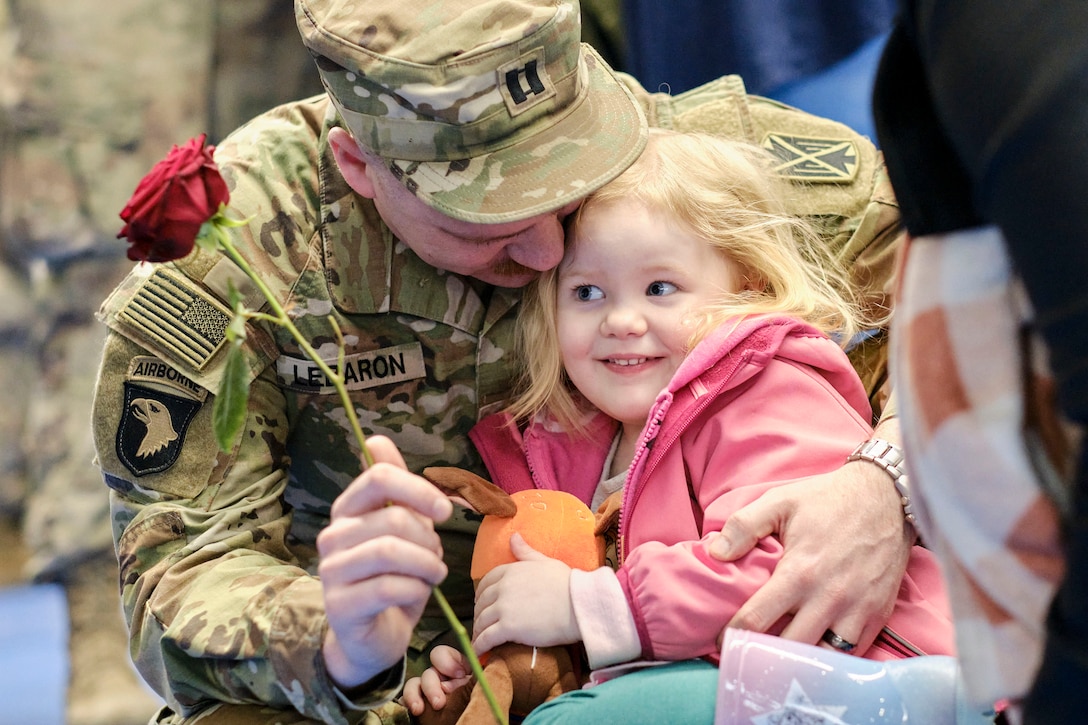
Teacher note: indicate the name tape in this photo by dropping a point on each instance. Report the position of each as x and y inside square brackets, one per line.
[361, 371]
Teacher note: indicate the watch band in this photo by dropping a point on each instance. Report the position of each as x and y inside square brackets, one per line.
[889, 457]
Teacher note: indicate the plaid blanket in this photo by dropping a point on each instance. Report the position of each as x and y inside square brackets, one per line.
[987, 454]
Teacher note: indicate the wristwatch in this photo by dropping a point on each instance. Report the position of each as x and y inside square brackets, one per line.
[889, 457]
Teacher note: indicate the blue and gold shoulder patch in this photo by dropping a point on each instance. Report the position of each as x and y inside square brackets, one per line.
[814, 160]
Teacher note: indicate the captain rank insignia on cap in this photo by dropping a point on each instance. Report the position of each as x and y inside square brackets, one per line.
[159, 405]
[526, 82]
[827, 160]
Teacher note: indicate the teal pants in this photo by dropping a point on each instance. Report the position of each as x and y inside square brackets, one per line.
[681, 692]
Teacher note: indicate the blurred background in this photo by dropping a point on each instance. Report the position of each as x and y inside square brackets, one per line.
[92, 94]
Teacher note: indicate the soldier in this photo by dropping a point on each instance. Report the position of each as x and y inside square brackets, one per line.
[273, 582]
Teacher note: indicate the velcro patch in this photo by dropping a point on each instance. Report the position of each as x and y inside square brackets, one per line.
[152, 428]
[824, 160]
[363, 370]
[183, 319]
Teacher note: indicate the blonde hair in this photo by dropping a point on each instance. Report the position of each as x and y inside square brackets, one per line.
[728, 195]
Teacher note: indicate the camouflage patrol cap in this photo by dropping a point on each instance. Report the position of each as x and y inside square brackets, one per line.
[488, 110]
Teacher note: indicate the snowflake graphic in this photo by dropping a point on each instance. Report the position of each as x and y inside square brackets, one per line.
[799, 709]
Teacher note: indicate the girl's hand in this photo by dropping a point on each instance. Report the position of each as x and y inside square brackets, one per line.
[526, 602]
[447, 672]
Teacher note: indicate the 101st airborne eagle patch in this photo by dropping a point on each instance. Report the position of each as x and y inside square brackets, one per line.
[160, 403]
[815, 160]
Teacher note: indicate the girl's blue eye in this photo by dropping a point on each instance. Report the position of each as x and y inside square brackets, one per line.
[587, 292]
[660, 289]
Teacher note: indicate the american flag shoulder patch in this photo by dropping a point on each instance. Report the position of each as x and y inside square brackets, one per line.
[184, 320]
[827, 160]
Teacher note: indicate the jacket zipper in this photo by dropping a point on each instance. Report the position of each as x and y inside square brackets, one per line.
[674, 433]
[897, 644]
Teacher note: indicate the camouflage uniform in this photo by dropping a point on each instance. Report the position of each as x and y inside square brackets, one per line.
[217, 549]
[424, 352]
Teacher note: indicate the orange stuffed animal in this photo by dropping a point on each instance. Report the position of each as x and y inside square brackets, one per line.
[554, 523]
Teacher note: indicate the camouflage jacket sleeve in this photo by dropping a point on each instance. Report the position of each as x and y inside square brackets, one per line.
[221, 606]
[841, 180]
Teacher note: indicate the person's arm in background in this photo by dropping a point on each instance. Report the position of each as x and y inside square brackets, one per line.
[1008, 83]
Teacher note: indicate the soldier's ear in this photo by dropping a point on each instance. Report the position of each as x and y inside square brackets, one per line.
[353, 161]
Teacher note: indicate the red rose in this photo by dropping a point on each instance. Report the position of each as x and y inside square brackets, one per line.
[170, 204]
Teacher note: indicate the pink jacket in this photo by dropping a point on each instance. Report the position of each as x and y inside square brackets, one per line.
[752, 407]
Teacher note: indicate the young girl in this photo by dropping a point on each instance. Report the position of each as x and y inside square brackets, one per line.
[680, 354]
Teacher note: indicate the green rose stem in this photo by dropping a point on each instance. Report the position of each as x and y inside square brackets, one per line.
[227, 422]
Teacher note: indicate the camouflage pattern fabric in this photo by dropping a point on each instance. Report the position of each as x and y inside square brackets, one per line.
[70, 149]
[82, 115]
[65, 519]
[488, 110]
[217, 550]
[225, 714]
[73, 144]
[424, 353]
[15, 369]
[73, 147]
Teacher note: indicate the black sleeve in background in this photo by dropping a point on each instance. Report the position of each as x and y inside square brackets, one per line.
[981, 110]
[933, 190]
[995, 102]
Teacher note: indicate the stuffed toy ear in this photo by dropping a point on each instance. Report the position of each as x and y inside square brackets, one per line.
[608, 513]
[484, 496]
